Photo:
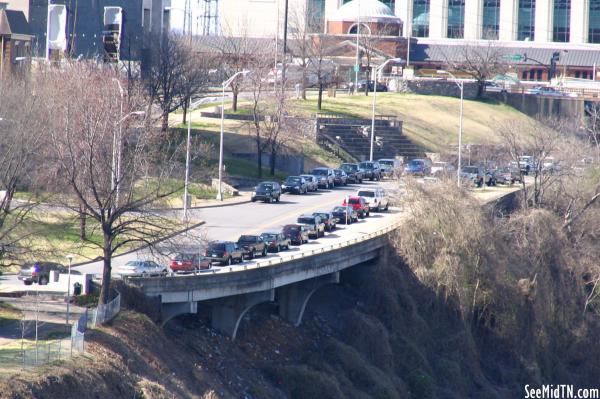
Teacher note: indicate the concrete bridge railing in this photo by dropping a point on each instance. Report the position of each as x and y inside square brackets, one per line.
[289, 280]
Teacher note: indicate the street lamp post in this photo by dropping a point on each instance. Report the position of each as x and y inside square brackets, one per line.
[116, 155]
[375, 72]
[225, 84]
[461, 86]
[187, 169]
[70, 258]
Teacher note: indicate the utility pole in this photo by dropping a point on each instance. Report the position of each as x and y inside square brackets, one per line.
[285, 26]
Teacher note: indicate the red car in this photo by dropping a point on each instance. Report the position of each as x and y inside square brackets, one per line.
[359, 204]
[189, 262]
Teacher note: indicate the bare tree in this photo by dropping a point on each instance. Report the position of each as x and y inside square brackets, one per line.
[480, 62]
[84, 132]
[195, 76]
[164, 79]
[236, 54]
[22, 130]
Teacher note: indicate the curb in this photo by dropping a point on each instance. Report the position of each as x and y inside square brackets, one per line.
[221, 205]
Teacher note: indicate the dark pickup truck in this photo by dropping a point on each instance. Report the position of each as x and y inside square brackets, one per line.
[252, 245]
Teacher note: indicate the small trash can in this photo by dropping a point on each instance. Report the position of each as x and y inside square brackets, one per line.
[77, 289]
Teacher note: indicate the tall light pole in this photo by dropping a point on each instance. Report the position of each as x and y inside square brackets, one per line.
[116, 155]
[356, 67]
[461, 86]
[70, 258]
[225, 84]
[375, 72]
[187, 168]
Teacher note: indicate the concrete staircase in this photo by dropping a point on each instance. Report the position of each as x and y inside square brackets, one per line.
[350, 138]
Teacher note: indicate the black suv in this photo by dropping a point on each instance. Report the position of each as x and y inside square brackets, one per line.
[314, 224]
[372, 170]
[251, 246]
[353, 171]
[224, 253]
[294, 184]
[39, 272]
[267, 191]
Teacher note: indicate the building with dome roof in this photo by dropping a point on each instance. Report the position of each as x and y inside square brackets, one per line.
[373, 16]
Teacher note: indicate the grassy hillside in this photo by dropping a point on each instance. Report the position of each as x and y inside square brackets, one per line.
[431, 121]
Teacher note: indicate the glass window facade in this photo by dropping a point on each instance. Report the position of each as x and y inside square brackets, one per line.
[491, 19]
[456, 19]
[561, 31]
[594, 34]
[526, 24]
[420, 22]
[316, 15]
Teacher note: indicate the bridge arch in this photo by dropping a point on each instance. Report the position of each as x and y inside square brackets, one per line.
[227, 314]
[293, 298]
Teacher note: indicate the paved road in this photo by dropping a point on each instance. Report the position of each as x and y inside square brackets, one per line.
[228, 223]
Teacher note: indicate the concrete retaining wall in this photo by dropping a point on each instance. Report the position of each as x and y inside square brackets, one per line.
[541, 106]
[433, 87]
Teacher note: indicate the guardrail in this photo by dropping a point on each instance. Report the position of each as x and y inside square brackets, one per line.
[331, 247]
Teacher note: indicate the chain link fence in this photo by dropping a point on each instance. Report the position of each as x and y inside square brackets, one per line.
[23, 353]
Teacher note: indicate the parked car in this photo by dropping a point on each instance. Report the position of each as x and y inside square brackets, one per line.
[418, 167]
[345, 214]
[546, 91]
[39, 272]
[297, 233]
[375, 197]
[372, 170]
[251, 246]
[276, 241]
[340, 177]
[326, 177]
[526, 163]
[439, 169]
[353, 171]
[224, 253]
[314, 225]
[294, 185]
[327, 218]
[311, 182]
[359, 204]
[390, 167]
[141, 268]
[474, 175]
[267, 191]
[550, 165]
[187, 262]
[363, 84]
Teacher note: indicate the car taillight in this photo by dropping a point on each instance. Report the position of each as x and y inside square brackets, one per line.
[273, 242]
[205, 252]
[225, 254]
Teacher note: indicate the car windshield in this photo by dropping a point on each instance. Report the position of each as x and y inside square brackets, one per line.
[386, 162]
[291, 229]
[366, 165]
[339, 209]
[337, 172]
[265, 186]
[415, 162]
[306, 220]
[470, 169]
[354, 201]
[349, 167]
[369, 194]
[217, 247]
[184, 257]
[306, 177]
[320, 172]
[136, 263]
[291, 180]
[269, 237]
[247, 239]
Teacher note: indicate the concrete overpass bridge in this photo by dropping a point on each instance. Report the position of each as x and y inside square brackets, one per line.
[289, 280]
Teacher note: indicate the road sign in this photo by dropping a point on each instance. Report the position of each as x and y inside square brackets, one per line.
[356, 68]
[515, 57]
